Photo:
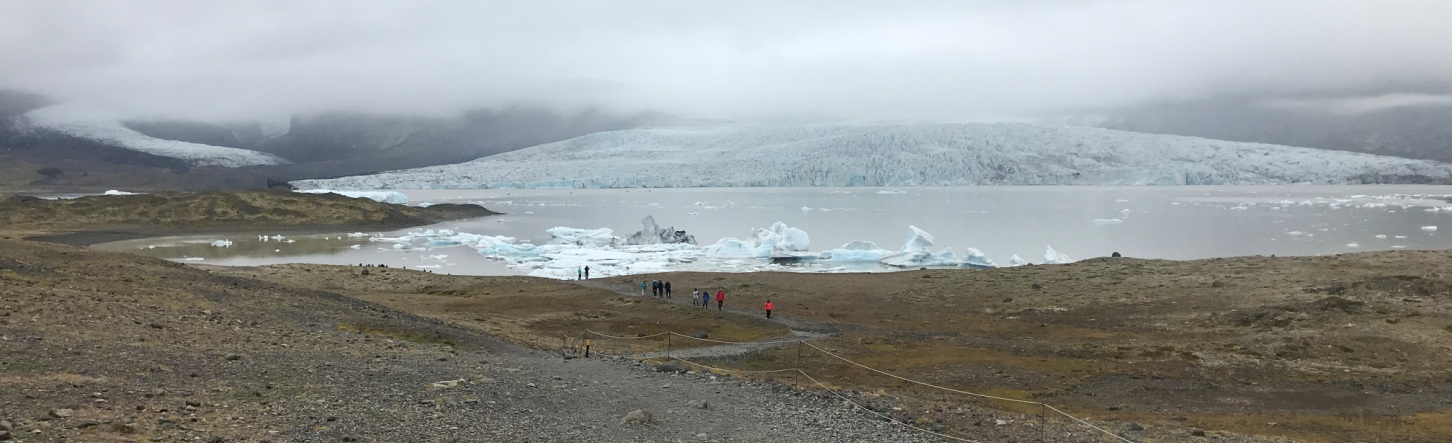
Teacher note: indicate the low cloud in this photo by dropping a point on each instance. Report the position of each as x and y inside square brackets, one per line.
[825, 59]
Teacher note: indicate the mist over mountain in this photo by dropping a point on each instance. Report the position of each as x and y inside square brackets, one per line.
[321, 145]
[1404, 125]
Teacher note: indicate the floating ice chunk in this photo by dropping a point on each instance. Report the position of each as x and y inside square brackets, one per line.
[652, 234]
[693, 213]
[1015, 260]
[918, 240]
[806, 209]
[355, 247]
[1400, 236]
[278, 237]
[910, 259]
[892, 191]
[778, 240]
[1429, 228]
[115, 192]
[425, 205]
[1120, 200]
[584, 237]
[1353, 245]
[1052, 256]
[396, 198]
[1107, 221]
[735, 248]
[1381, 236]
[856, 251]
[977, 259]
[785, 238]
[357, 235]
[192, 259]
[1296, 233]
[222, 243]
[291, 241]
[1398, 247]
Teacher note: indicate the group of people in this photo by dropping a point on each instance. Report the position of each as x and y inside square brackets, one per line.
[658, 289]
[582, 273]
[662, 289]
[703, 298]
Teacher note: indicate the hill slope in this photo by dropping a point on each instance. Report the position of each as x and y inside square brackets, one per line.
[898, 155]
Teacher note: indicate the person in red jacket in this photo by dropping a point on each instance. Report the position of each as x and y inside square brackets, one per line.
[720, 298]
[768, 308]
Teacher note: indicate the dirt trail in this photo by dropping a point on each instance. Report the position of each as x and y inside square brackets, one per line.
[800, 329]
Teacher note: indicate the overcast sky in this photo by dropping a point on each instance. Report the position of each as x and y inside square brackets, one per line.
[741, 59]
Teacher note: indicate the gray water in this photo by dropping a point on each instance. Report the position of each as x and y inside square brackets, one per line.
[1186, 222]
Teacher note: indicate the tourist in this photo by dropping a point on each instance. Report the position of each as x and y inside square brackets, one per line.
[768, 308]
[579, 273]
[720, 299]
[695, 297]
[706, 299]
[587, 273]
[642, 288]
[667, 289]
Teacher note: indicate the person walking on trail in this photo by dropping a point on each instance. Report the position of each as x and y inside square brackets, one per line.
[706, 299]
[668, 289]
[768, 308]
[720, 299]
[587, 273]
[695, 297]
[642, 288]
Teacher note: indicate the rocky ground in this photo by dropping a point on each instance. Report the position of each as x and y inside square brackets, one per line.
[111, 347]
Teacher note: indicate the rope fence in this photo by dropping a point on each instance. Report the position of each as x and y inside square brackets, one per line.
[581, 344]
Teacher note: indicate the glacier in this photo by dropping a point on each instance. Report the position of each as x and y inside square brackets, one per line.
[895, 155]
[396, 198]
[95, 126]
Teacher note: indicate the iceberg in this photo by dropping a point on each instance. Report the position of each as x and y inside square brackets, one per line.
[855, 251]
[222, 243]
[396, 198]
[1054, 257]
[896, 155]
[782, 238]
[779, 240]
[1015, 260]
[914, 252]
[1429, 228]
[651, 234]
[116, 192]
[977, 259]
[918, 240]
[596, 238]
[922, 259]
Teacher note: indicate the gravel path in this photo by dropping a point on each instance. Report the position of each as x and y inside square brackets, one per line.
[801, 330]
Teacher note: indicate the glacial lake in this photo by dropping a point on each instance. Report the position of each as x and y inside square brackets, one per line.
[1185, 222]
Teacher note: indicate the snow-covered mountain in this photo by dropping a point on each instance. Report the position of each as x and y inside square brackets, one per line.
[897, 155]
[93, 126]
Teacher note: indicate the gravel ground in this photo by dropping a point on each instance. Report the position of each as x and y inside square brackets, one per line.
[112, 347]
